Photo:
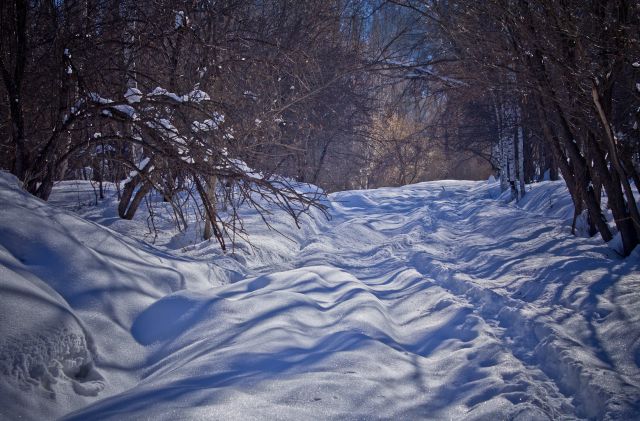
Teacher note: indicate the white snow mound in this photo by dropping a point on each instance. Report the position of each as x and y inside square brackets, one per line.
[69, 292]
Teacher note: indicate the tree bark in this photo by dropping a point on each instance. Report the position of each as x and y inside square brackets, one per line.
[12, 78]
[211, 193]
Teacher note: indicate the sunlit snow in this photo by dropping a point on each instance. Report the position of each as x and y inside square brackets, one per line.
[430, 301]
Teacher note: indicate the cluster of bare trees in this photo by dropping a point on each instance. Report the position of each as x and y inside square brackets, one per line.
[414, 135]
[545, 86]
[413, 141]
[232, 99]
[219, 99]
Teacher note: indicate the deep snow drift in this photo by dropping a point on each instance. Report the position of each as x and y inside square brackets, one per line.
[433, 301]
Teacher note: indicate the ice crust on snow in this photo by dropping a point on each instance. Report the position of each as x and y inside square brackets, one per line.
[430, 301]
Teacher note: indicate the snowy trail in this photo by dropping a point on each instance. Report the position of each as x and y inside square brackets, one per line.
[411, 239]
[430, 301]
[518, 273]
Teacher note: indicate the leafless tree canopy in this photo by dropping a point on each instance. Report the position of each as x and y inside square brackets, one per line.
[234, 100]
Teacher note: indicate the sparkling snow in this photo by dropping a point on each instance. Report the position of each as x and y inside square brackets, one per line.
[431, 301]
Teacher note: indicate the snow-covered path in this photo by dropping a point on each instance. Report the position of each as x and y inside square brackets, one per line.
[505, 301]
[430, 301]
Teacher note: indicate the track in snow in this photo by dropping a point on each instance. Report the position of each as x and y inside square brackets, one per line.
[486, 291]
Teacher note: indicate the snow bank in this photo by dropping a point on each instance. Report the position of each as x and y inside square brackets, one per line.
[550, 199]
[264, 248]
[46, 354]
[69, 292]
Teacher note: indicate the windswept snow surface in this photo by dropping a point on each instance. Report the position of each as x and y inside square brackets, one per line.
[430, 301]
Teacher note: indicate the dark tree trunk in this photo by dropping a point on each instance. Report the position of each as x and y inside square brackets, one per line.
[127, 206]
[12, 78]
[137, 199]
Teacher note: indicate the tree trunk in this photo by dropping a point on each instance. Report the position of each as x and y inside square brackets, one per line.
[519, 161]
[13, 83]
[634, 231]
[211, 193]
[137, 199]
[210, 211]
[127, 207]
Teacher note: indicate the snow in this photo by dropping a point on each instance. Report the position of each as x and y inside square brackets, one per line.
[128, 110]
[195, 95]
[436, 300]
[180, 18]
[95, 97]
[158, 91]
[206, 125]
[198, 96]
[133, 95]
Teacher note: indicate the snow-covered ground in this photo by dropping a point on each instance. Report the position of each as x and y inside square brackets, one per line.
[430, 301]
